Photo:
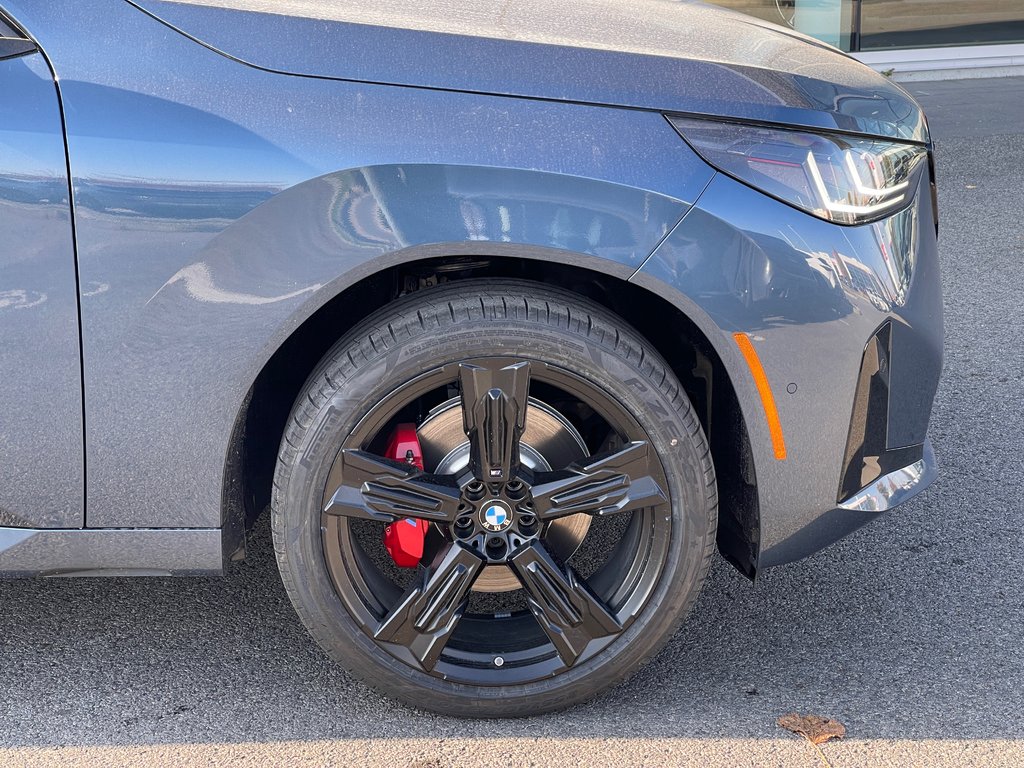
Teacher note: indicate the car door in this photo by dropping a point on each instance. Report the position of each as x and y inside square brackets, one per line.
[41, 430]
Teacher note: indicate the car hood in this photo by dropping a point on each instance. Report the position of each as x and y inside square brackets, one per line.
[666, 55]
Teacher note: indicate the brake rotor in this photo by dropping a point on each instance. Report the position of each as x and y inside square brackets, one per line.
[549, 440]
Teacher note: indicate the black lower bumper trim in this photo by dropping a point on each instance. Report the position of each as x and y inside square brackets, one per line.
[867, 458]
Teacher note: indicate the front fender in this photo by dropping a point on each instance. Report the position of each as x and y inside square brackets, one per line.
[213, 214]
[214, 324]
[307, 244]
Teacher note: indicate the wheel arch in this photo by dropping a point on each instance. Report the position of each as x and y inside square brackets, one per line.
[263, 414]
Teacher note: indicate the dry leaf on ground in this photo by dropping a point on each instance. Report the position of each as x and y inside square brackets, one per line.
[816, 729]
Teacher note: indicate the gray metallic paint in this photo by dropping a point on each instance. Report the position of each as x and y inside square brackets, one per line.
[40, 381]
[809, 294]
[219, 206]
[111, 552]
[215, 229]
[673, 57]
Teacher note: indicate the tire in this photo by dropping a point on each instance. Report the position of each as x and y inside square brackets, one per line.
[627, 412]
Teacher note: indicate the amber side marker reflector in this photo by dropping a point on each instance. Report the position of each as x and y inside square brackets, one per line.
[771, 414]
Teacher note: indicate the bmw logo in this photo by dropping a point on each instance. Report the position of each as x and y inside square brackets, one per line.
[495, 516]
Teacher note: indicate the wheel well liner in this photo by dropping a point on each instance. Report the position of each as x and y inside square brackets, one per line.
[262, 416]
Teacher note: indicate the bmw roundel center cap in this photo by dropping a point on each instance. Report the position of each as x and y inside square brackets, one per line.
[495, 516]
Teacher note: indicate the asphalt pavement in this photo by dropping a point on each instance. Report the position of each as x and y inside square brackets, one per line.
[910, 632]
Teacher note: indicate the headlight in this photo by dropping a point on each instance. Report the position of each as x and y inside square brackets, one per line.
[845, 179]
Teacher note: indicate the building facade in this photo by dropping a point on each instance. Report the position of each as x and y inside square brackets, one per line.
[909, 36]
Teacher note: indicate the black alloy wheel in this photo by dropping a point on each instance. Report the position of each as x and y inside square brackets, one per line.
[567, 492]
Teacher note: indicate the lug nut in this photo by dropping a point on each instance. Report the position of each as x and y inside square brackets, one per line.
[496, 547]
[463, 526]
[516, 489]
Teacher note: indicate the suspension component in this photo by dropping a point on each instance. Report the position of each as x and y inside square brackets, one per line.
[404, 539]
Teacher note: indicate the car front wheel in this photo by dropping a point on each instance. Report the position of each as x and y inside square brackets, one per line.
[493, 499]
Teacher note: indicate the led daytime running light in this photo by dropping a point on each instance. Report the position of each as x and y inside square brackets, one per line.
[838, 207]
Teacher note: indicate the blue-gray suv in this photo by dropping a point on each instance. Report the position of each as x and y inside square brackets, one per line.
[511, 316]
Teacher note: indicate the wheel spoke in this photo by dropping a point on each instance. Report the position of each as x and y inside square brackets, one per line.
[568, 612]
[603, 485]
[375, 488]
[430, 609]
[494, 416]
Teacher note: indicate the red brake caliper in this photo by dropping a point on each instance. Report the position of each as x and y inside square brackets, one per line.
[404, 539]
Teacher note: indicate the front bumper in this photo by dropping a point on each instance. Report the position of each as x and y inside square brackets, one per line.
[847, 323]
